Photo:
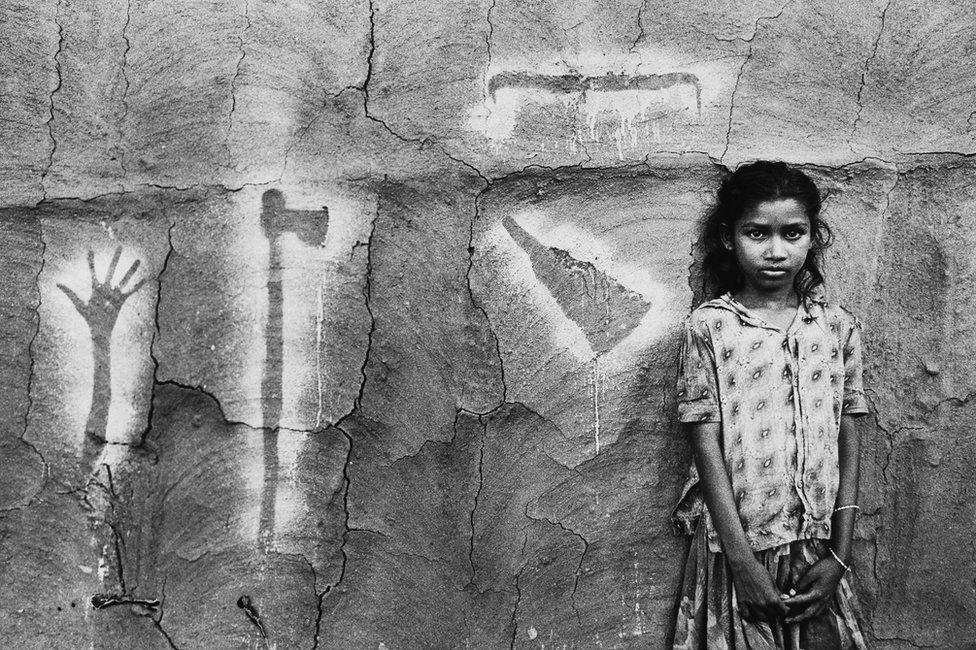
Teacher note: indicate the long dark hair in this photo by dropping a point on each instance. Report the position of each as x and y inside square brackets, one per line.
[746, 188]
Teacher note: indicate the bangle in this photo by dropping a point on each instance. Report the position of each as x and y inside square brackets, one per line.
[847, 507]
[839, 561]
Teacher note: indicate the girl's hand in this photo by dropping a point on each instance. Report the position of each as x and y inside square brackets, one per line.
[759, 599]
[816, 590]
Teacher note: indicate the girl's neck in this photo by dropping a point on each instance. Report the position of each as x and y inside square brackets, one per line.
[780, 298]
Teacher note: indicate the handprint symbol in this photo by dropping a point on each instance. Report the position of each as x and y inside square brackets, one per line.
[101, 312]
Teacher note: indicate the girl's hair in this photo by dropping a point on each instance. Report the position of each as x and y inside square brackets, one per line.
[747, 187]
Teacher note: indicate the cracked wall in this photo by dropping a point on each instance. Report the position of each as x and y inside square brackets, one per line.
[376, 344]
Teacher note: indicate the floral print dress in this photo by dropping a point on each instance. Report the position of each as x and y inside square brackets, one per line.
[779, 397]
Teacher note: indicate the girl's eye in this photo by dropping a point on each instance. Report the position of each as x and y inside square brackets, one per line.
[754, 234]
[795, 234]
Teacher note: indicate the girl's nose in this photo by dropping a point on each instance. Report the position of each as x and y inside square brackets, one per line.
[776, 249]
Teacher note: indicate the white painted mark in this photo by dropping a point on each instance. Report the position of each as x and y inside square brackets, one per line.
[290, 502]
[627, 114]
[632, 99]
[595, 374]
[579, 243]
[103, 569]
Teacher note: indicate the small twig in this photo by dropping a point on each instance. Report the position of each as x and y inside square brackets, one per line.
[244, 602]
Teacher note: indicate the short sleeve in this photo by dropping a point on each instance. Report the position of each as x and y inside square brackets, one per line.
[697, 387]
[854, 402]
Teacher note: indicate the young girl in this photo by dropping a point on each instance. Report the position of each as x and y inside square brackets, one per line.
[769, 382]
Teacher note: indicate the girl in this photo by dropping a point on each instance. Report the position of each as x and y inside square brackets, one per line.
[769, 382]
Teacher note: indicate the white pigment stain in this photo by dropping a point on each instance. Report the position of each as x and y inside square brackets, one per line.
[103, 569]
[584, 247]
[318, 357]
[290, 502]
[633, 99]
[564, 333]
[596, 381]
[131, 336]
[252, 473]
[634, 116]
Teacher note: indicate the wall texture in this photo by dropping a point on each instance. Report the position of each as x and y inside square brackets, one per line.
[353, 324]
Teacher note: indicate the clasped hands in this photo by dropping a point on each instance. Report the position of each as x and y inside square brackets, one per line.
[760, 599]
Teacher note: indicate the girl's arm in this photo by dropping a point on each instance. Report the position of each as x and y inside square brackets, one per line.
[819, 584]
[757, 594]
[848, 456]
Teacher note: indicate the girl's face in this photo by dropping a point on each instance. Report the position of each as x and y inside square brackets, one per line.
[771, 242]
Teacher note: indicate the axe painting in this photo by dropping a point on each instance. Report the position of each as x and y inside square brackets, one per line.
[310, 227]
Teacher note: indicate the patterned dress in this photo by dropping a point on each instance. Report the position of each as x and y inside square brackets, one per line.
[779, 396]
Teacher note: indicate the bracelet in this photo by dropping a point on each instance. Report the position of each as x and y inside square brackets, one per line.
[839, 561]
[847, 507]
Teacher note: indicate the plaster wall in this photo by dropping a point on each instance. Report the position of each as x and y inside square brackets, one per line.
[354, 324]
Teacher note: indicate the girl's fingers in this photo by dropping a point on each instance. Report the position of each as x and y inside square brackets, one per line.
[804, 598]
[803, 583]
[753, 612]
[745, 612]
[814, 609]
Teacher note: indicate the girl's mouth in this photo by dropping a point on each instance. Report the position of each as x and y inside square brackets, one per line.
[773, 273]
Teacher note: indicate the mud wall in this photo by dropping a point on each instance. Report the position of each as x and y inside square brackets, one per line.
[353, 324]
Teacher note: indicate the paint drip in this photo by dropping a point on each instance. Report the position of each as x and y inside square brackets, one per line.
[596, 384]
[318, 356]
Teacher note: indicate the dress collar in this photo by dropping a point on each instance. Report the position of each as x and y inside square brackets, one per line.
[808, 311]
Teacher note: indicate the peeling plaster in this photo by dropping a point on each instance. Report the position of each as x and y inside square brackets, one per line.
[437, 150]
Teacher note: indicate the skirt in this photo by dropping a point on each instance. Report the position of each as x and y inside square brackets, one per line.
[708, 612]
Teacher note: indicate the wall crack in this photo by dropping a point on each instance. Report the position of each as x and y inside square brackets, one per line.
[474, 302]
[518, 592]
[31, 374]
[237, 69]
[640, 26]
[864, 73]
[477, 495]
[345, 537]
[742, 69]
[125, 87]
[579, 567]
[57, 88]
